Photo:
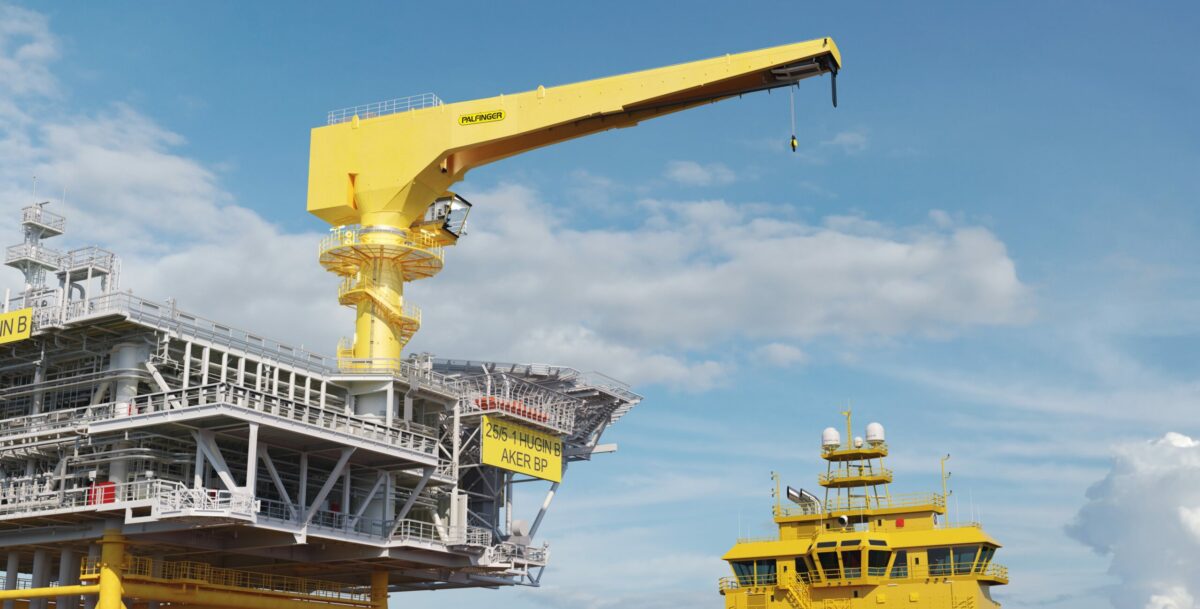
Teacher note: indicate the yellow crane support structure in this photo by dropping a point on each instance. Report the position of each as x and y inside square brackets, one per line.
[381, 174]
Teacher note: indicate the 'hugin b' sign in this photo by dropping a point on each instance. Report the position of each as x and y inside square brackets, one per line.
[15, 326]
[518, 448]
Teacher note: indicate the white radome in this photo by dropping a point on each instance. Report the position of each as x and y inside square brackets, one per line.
[858, 442]
[830, 438]
[875, 434]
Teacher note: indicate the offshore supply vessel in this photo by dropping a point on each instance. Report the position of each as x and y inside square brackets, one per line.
[862, 546]
[151, 458]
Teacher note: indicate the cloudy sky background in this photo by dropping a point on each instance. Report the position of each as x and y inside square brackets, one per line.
[990, 247]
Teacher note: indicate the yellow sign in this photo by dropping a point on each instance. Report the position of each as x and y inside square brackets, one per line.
[478, 118]
[517, 448]
[16, 326]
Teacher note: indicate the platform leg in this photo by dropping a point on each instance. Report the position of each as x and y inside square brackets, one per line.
[112, 557]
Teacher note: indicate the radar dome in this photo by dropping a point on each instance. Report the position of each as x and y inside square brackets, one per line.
[858, 442]
[874, 434]
[830, 438]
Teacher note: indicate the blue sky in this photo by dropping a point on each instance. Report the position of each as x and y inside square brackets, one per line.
[991, 244]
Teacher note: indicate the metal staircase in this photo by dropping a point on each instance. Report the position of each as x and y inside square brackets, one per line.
[797, 594]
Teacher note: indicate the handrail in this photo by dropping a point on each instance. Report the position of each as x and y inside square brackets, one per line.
[845, 474]
[36, 214]
[39, 253]
[377, 528]
[500, 393]
[989, 570]
[342, 236]
[326, 419]
[383, 108]
[139, 567]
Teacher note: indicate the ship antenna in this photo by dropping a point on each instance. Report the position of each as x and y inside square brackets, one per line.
[945, 477]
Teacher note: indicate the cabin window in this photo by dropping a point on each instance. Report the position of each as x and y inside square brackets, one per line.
[985, 557]
[939, 561]
[744, 570]
[802, 573]
[850, 542]
[765, 572]
[827, 544]
[852, 563]
[877, 561]
[829, 564]
[900, 565]
[877, 542]
[754, 573]
[964, 559]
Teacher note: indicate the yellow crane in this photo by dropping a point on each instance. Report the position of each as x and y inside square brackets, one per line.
[381, 174]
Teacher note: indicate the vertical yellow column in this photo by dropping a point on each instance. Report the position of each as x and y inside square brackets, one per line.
[379, 589]
[375, 333]
[112, 557]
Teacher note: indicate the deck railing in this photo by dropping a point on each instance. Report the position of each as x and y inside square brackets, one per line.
[383, 108]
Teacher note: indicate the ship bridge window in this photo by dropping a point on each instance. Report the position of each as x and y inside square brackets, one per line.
[877, 542]
[985, 558]
[754, 573]
[964, 559]
[852, 563]
[826, 544]
[802, 570]
[829, 564]
[877, 562]
[939, 561]
[850, 542]
[900, 565]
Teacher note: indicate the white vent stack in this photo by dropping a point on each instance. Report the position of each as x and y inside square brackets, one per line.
[830, 438]
[875, 435]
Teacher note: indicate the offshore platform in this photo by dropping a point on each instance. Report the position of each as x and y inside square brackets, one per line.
[153, 458]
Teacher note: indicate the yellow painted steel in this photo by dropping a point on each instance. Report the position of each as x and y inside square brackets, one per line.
[522, 449]
[6, 595]
[870, 549]
[379, 589]
[112, 557]
[15, 326]
[382, 173]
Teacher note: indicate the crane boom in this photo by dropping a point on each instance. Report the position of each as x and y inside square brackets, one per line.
[382, 174]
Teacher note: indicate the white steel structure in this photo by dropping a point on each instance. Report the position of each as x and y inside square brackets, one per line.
[249, 466]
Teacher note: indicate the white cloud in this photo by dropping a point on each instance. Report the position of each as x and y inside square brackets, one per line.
[177, 230]
[26, 48]
[781, 355]
[691, 173]
[848, 142]
[1144, 515]
[653, 300]
[1175, 597]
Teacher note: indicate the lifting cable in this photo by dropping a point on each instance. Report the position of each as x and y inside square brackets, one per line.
[792, 105]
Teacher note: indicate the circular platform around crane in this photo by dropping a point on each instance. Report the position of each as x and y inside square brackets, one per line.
[346, 250]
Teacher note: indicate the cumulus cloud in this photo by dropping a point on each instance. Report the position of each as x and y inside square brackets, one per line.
[781, 355]
[691, 173]
[1144, 515]
[26, 48]
[177, 230]
[695, 275]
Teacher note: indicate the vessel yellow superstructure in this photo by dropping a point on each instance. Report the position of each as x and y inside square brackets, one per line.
[862, 546]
